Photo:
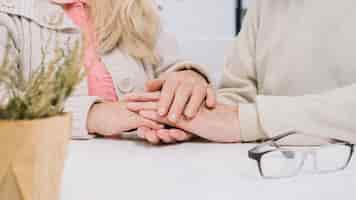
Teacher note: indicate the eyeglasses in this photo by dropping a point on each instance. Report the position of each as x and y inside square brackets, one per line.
[277, 159]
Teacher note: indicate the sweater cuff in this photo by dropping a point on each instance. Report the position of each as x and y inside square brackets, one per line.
[221, 99]
[186, 65]
[250, 126]
[80, 107]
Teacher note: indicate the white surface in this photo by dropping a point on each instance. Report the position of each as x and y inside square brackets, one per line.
[112, 170]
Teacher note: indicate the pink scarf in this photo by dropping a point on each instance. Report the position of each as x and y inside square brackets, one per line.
[100, 82]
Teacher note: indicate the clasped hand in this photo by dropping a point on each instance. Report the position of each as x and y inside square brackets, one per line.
[189, 110]
[175, 96]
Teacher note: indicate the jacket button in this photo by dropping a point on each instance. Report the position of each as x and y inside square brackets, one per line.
[126, 85]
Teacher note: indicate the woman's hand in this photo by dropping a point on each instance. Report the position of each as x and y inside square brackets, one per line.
[167, 136]
[219, 125]
[181, 93]
[109, 119]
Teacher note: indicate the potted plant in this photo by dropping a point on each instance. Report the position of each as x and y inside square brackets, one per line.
[34, 130]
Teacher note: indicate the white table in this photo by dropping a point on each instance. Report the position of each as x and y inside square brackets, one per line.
[128, 170]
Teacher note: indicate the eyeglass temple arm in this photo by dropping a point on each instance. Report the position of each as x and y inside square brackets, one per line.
[256, 155]
[278, 137]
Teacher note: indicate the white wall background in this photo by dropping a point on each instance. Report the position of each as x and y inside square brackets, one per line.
[245, 3]
[199, 18]
[204, 29]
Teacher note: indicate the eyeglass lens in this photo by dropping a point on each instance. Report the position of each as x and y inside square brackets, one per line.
[285, 163]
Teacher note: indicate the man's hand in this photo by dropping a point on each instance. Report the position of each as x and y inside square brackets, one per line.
[219, 125]
[181, 93]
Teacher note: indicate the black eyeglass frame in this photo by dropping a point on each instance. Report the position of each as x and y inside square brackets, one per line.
[256, 154]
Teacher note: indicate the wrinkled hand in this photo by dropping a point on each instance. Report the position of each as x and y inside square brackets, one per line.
[181, 93]
[219, 125]
[109, 119]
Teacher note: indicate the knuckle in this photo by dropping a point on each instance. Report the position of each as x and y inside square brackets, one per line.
[200, 89]
[172, 78]
[168, 90]
[186, 87]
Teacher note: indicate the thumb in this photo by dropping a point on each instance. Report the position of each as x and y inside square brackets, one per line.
[154, 85]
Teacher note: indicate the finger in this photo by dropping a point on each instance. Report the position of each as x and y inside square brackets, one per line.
[182, 96]
[151, 124]
[210, 98]
[154, 85]
[167, 96]
[164, 135]
[143, 96]
[196, 100]
[151, 137]
[141, 132]
[106, 134]
[152, 115]
[138, 106]
[179, 135]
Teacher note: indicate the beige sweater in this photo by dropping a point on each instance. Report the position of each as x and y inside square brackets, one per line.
[293, 68]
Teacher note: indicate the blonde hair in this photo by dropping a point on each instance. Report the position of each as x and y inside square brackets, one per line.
[132, 25]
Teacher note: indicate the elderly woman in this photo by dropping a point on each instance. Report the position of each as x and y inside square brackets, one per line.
[125, 51]
[291, 68]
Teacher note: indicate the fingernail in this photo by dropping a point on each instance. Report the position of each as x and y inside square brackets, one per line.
[173, 118]
[140, 134]
[162, 111]
[189, 114]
